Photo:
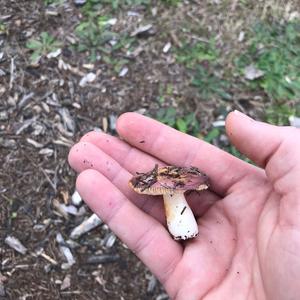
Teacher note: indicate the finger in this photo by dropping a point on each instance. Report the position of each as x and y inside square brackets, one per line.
[130, 158]
[272, 147]
[174, 147]
[85, 155]
[147, 238]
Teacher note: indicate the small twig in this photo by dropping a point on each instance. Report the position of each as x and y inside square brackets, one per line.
[12, 73]
[48, 179]
[6, 198]
[200, 39]
[63, 142]
[42, 253]
[241, 108]
[25, 99]
[175, 39]
[42, 170]
[50, 259]
[196, 20]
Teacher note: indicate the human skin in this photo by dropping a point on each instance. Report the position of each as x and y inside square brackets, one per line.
[249, 222]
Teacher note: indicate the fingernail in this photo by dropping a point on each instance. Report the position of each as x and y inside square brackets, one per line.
[237, 112]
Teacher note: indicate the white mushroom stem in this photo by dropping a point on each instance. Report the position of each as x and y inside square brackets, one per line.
[180, 218]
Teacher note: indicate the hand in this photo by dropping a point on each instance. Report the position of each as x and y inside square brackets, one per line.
[249, 222]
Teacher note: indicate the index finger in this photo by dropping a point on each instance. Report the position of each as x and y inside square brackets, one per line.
[177, 148]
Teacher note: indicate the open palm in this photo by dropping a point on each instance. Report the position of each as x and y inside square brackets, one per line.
[249, 222]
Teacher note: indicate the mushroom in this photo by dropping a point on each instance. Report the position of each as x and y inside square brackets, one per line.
[172, 182]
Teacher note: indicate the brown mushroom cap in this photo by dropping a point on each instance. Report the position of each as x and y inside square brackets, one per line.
[169, 179]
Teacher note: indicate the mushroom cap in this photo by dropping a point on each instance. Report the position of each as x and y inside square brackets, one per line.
[169, 180]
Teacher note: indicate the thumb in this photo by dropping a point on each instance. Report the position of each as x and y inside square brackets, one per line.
[274, 148]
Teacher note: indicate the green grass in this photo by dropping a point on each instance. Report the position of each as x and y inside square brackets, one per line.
[214, 134]
[3, 29]
[93, 34]
[201, 60]
[171, 2]
[271, 47]
[122, 4]
[92, 5]
[117, 4]
[117, 64]
[41, 46]
[131, 2]
[275, 49]
[187, 123]
[49, 2]
[278, 114]
[193, 55]
[210, 85]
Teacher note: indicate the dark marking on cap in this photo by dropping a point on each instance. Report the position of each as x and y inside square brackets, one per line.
[170, 179]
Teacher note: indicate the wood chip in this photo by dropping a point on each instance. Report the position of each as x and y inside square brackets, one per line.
[87, 225]
[65, 196]
[34, 143]
[14, 243]
[66, 283]
[104, 124]
[141, 30]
